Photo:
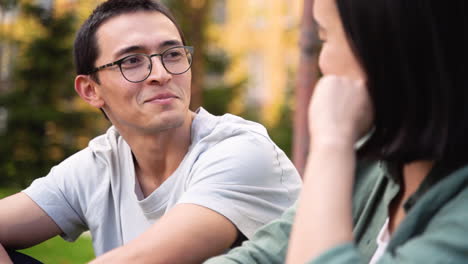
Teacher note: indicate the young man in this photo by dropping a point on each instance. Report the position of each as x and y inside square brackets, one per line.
[164, 184]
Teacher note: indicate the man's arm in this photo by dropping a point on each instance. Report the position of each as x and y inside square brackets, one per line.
[4, 256]
[23, 223]
[269, 244]
[187, 234]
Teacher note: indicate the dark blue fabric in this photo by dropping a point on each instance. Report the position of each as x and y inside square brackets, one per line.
[20, 258]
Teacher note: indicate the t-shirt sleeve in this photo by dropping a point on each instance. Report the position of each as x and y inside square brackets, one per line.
[246, 178]
[59, 195]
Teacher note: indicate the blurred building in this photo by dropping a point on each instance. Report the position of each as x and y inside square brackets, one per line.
[261, 38]
[8, 16]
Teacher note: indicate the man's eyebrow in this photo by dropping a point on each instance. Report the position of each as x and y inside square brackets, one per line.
[131, 49]
[170, 43]
[127, 50]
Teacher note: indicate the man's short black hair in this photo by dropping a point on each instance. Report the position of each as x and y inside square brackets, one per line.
[415, 56]
[86, 50]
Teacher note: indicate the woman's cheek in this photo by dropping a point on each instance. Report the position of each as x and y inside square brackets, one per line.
[323, 62]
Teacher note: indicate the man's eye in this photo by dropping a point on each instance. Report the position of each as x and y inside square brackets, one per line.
[173, 55]
[133, 61]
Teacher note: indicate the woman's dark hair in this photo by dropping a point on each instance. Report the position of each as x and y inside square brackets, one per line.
[86, 48]
[414, 53]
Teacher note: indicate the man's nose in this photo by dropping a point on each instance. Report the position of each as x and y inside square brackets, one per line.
[158, 71]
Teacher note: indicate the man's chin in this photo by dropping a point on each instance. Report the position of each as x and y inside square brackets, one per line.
[167, 122]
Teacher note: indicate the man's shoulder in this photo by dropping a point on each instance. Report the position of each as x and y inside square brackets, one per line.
[242, 152]
[106, 142]
[230, 137]
[99, 153]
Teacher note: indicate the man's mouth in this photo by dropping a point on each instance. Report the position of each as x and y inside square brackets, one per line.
[163, 98]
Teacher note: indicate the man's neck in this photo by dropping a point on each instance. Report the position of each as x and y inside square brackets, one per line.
[156, 156]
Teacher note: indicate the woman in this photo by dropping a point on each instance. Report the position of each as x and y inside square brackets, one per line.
[397, 70]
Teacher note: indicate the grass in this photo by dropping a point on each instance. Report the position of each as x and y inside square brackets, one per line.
[7, 191]
[57, 250]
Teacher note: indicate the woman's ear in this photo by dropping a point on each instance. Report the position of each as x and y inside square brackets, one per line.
[88, 90]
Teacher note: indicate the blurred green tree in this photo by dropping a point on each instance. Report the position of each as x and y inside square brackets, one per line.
[281, 133]
[42, 124]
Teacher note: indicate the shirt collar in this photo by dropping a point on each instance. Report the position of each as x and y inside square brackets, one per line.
[393, 171]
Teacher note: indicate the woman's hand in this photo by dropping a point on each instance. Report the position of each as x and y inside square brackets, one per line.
[4, 258]
[340, 109]
[340, 113]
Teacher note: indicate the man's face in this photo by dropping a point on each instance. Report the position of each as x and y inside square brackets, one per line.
[161, 101]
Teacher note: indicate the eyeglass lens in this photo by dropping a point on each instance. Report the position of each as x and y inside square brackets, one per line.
[137, 68]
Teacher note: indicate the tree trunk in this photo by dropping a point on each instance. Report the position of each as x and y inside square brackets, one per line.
[193, 17]
[306, 78]
[199, 17]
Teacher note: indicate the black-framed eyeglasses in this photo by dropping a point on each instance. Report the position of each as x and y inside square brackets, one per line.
[137, 67]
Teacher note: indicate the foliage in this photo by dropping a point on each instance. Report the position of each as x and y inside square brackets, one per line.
[217, 94]
[42, 123]
[282, 132]
[4, 192]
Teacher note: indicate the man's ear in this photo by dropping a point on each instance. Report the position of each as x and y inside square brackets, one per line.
[88, 90]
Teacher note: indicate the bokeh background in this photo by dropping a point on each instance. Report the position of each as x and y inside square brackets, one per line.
[248, 59]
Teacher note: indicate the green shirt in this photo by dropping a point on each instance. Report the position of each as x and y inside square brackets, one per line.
[435, 229]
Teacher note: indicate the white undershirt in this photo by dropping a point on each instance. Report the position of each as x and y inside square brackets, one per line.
[382, 241]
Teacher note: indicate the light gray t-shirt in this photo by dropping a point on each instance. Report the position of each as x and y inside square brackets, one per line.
[232, 167]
